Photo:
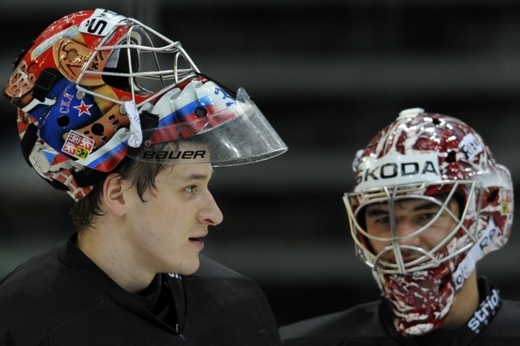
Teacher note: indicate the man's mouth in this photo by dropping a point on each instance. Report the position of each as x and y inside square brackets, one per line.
[198, 241]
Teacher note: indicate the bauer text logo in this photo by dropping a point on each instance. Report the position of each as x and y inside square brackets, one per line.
[161, 155]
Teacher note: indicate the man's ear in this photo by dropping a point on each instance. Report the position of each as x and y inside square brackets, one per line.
[114, 187]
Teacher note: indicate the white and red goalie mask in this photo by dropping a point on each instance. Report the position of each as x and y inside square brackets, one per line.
[436, 159]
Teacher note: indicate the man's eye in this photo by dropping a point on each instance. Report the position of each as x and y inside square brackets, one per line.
[428, 216]
[383, 220]
[191, 189]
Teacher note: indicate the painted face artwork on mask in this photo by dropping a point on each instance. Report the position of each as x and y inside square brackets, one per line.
[96, 87]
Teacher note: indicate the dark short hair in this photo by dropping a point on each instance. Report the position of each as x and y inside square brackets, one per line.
[141, 175]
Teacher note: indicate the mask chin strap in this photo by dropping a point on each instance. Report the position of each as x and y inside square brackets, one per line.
[35, 102]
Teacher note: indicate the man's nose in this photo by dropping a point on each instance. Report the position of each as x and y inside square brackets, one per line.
[211, 213]
[406, 232]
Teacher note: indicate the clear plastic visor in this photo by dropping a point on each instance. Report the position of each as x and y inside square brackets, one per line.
[238, 134]
[399, 230]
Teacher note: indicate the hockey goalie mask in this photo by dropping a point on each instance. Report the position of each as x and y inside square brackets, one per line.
[429, 202]
[96, 86]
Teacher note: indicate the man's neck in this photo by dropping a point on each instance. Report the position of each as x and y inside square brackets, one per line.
[106, 253]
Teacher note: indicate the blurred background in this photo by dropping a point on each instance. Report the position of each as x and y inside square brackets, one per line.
[328, 74]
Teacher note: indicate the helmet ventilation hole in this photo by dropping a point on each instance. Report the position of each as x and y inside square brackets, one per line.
[63, 121]
[200, 112]
[97, 129]
[451, 157]
[492, 196]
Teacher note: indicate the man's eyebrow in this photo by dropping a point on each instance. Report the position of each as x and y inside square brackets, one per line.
[378, 210]
[195, 176]
[199, 176]
[426, 205]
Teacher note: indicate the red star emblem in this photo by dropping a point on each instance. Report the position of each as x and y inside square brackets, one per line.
[83, 108]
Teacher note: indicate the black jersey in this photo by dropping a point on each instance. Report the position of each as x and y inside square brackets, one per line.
[496, 322]
[62, 298]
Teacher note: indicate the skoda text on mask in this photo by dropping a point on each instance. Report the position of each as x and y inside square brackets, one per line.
[397, 169]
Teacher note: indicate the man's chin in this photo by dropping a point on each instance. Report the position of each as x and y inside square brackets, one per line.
[187, 267]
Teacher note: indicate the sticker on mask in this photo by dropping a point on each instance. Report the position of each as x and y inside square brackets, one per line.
[78, 145]
[505, 197]
[470, 146]
[101, 23]
[396, 169]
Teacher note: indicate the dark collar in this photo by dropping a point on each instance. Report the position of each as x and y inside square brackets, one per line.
[144, 305]
[489, 306]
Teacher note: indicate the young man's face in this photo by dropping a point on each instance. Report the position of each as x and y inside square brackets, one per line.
[410, 215]
[165, 233]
